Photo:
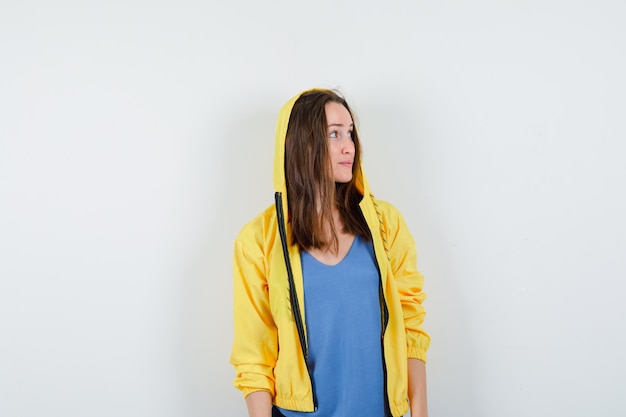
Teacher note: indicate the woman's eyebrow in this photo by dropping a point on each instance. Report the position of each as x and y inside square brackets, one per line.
[339, 125]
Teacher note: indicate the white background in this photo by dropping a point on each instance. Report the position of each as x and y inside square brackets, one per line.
[136, 138]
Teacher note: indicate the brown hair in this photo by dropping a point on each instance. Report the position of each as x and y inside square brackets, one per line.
[311, 188]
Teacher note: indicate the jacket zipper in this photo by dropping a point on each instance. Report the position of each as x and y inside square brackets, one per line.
[383, 303]
[384, 318]
[293, 296]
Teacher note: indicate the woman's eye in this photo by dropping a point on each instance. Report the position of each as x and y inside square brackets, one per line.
[333, 135]
[350, 134]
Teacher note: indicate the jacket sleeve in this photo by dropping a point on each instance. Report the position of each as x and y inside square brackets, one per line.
[255, 345]
[409, 281]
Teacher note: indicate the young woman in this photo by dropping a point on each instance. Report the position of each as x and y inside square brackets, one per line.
[328, 299]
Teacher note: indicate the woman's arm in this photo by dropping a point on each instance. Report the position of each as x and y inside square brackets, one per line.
[417, 388]
[255, 343]
[409, 281]
[259, 404]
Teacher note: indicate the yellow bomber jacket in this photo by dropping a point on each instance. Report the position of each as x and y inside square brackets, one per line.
[269, 348]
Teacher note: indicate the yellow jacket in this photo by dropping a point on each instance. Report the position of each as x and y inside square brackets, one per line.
[269, 349]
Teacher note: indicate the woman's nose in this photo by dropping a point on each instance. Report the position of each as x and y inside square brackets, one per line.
[348, 146]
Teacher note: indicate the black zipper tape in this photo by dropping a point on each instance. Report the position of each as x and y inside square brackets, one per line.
[293, 296]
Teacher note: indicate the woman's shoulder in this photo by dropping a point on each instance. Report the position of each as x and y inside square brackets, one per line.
[386, 209]
[392, 220]
[257, 229]
[394, 228]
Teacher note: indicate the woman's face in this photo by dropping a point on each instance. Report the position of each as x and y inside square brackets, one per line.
[340, 144]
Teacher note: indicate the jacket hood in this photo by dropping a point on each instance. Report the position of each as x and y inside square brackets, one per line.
[280, 183]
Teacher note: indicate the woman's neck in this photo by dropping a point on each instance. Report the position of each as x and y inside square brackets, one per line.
[333, 254]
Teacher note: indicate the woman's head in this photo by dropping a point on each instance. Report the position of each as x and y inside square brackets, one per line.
[321, 139]
[322, 163]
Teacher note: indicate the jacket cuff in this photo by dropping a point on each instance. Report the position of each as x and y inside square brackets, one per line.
[248, 391]
[251, 378]
[418, 345]
[417, 354]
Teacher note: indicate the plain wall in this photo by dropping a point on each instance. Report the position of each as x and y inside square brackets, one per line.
[136, 139]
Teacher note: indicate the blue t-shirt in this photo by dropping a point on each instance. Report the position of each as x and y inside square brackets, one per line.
[343, 321]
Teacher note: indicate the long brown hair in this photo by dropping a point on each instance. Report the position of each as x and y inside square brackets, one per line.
[311, 188]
